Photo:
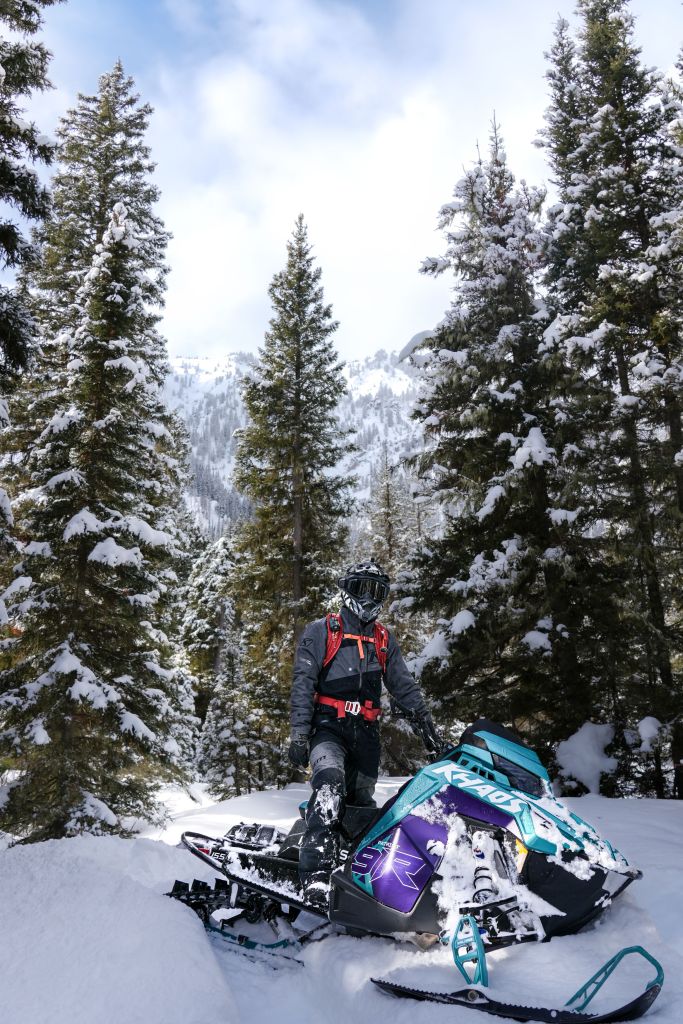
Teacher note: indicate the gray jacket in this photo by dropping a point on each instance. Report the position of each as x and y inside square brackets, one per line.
[348, 676]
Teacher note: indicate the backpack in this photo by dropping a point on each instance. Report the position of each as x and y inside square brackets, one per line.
[335, 635]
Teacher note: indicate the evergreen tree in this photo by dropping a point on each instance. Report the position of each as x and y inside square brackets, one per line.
[616, 290]
[103, 159]
[208, 612]
[23, 70]
[228, 746]
[288, 553]
[393, 521]
[500, 576]
[92, 716]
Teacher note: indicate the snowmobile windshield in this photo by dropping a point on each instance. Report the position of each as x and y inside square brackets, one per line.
[518, 776]
[360, 586]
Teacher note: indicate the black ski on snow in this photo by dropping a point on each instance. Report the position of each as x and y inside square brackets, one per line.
[475, 999]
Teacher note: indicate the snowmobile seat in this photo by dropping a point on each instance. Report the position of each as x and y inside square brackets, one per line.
[355, 821]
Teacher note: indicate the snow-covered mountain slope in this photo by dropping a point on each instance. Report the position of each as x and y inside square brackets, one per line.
[206, 394]
[88, 935]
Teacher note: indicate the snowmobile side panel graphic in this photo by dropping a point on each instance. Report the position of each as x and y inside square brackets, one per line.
[396, 868]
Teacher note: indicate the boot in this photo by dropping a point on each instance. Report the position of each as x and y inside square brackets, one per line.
[316, 887]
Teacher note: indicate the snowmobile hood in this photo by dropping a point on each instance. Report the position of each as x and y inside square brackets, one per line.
[541, 823]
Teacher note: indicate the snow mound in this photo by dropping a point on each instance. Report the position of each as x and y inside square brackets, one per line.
[583, 757]
[88, 937]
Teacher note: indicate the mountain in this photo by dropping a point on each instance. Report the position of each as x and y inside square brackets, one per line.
[205, 392]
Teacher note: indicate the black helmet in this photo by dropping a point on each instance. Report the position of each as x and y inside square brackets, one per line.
[365, 588]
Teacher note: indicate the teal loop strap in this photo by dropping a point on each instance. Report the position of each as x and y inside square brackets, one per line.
[467, 947]
[594, 984]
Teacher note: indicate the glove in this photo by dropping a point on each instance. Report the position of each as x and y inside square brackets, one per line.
[298, 752]
[423, 726]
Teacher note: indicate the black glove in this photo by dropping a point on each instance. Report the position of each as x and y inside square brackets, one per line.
[298, 752]
[423, 726]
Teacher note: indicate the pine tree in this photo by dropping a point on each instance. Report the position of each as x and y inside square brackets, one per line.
[288, 553]
[208, 611]
[23, 70]
[103, 159]
[615, 286]
[92, 714]
[500, 576]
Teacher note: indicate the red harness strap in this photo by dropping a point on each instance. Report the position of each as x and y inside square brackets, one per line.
[335, 635]
[350, 707]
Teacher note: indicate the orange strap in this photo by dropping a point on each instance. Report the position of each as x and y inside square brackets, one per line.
[360, 640]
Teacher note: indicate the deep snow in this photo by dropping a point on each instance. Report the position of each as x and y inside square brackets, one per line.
[87, 935]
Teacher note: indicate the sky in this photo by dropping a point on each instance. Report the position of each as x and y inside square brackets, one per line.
[360, 114]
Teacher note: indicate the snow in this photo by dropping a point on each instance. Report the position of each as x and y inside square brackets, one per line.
[535, 640]
[110, 553]
[648, 728]
[462, 621]
[88, 935]
[414, 343]
[534, 449]
[17, 586]
[70, 476]
[37, 733]
[132, 723]
[562, 515]
[83, 522]
[583, 757]
[493, 495]
[147, 534]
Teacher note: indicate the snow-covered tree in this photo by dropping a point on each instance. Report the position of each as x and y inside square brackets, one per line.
[208, 613]
[103, 158]
[288, 554]
[500, 576]
[23, 71]
[91, 713]
[615, 286]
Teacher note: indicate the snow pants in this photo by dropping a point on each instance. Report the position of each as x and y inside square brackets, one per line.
[345, 761]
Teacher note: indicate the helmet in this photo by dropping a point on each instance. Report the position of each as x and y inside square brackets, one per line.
[365, 588]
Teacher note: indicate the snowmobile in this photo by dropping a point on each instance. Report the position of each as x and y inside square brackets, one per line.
[474, 851]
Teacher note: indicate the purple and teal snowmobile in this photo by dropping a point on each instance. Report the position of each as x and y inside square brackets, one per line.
[474, 851]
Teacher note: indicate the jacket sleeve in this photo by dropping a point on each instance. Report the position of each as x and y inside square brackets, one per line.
[308, 664]
[400, 683]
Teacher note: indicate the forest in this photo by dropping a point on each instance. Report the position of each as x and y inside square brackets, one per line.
[533, 535]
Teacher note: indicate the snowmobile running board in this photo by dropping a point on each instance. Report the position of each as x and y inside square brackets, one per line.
[231, 874]
[475, 999]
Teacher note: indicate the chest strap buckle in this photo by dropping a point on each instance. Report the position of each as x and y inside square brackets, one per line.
[352, 707]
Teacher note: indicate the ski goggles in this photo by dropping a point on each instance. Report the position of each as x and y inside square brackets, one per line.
[364, 586]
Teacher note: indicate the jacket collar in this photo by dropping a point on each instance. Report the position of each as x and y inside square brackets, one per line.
[352, 624]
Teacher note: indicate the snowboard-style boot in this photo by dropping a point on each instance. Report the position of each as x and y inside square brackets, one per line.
[317, 891]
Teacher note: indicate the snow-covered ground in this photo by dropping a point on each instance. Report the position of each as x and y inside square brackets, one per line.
[87, 937]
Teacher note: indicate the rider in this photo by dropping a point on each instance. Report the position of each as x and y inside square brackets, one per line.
[335, 710]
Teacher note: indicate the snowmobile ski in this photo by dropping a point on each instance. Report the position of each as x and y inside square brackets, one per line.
[475, 999]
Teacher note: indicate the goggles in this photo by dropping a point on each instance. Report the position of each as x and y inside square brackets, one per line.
[363, 586]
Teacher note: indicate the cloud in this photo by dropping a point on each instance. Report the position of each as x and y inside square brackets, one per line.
[360, 115]
[363, 129]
